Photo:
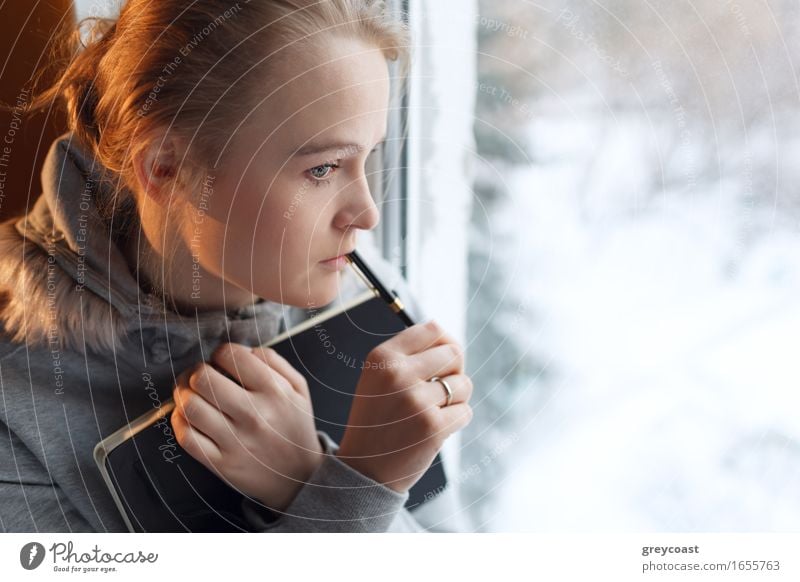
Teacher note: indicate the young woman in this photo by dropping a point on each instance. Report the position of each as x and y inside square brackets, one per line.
[213, 172]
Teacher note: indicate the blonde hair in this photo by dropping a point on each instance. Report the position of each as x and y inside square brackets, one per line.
[172, 65]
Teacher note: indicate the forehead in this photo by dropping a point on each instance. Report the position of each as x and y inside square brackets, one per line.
[338, 90]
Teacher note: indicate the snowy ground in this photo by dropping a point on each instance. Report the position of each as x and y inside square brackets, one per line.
[675, 345]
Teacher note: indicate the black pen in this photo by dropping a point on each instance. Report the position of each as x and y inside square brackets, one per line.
[393, 300]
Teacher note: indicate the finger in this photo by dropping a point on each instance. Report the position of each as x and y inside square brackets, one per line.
[204, 416]
[455, 417]
[220, 391]
[419, 337]
[254, 374]
[438, 361]
[194, 442]
[436, 395]
[182, 379]
[280, 364]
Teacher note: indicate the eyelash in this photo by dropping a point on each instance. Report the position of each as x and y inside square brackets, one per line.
[333, 165]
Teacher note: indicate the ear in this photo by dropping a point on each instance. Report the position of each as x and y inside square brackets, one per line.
[156, 167]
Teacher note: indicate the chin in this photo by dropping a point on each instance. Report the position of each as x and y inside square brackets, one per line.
[321, 297]
[318, 294]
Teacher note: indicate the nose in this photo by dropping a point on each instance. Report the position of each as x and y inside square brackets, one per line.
[359, 209]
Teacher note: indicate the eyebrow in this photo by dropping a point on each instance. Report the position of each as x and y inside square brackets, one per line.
[313, 148]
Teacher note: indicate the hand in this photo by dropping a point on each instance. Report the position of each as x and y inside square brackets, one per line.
[396, 425]
[259, 436]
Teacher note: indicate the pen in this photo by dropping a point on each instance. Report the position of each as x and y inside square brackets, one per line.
[361, 268]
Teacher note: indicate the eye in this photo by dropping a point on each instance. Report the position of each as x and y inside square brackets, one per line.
[322, 172]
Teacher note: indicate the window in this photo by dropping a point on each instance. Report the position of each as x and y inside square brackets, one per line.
[624, 270]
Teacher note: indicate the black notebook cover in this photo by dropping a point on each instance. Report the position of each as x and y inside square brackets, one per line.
[157, 495]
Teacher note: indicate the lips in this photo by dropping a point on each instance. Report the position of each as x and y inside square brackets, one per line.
[337, 256]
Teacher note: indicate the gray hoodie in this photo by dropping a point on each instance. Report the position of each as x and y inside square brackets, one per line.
[82, 346]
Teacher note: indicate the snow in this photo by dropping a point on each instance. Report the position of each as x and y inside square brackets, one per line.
[674, 345]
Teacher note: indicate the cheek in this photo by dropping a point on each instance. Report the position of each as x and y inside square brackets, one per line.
[281, 231]
[291, 223]
[237, 228]
[294, 245]
[271, 245]
[285, 238]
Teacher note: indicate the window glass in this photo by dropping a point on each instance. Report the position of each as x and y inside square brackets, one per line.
[634, 277]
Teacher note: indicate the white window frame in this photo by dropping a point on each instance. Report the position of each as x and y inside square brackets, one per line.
[426, 209]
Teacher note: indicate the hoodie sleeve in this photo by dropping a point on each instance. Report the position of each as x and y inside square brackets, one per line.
[336, 498]
[29, 499]
[37, 507]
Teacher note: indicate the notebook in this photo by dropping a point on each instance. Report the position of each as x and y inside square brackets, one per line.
[158, 487]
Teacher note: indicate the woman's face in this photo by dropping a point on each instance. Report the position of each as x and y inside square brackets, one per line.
[293, 191]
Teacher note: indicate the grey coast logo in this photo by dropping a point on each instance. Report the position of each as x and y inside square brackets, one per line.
[31, 555]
